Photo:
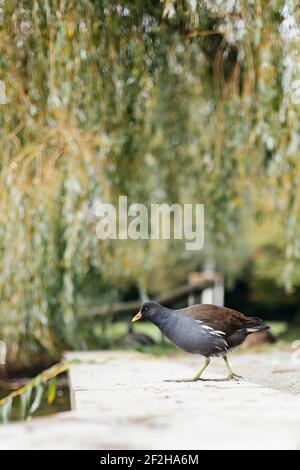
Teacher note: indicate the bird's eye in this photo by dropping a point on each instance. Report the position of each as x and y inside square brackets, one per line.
[146, 308]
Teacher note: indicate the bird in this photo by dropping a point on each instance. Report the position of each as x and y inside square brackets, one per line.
[205, 329]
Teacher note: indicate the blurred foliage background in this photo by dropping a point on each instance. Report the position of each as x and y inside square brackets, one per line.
[162, 101]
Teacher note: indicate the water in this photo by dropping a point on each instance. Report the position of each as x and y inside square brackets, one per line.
[60, 404]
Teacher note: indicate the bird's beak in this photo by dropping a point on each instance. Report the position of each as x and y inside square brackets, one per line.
[137, 317]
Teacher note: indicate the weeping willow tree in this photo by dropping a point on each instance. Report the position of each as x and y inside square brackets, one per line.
[163, 101]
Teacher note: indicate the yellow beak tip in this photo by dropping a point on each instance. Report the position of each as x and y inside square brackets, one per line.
[137, 317]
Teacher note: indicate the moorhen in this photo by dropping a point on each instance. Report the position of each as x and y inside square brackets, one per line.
[203, 329]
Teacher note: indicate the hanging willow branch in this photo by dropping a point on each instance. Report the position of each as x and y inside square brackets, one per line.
[27, 405]
[165, 101]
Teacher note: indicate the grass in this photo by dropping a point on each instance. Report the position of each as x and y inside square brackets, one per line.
[284, 331]
[278, 328]
[290, 334]
[116, 331]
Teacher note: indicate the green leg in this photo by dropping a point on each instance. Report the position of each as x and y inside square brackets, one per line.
[231, 375]
[202, 369]
[197, 376]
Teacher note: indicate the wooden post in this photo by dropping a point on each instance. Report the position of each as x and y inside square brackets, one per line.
[212, 294]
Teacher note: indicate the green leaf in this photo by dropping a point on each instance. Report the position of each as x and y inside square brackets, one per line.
[5, 410]
[51, 392]
[39, 390]
[24, 403]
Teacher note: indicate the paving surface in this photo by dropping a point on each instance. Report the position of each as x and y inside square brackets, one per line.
[122, 402]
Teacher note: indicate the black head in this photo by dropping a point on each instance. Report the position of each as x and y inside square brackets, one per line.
[148, 311]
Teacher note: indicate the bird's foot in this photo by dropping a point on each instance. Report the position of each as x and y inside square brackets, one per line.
[194, 379]
[233, 376]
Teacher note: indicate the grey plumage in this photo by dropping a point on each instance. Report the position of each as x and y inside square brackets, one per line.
[190, 335]
[207, 330]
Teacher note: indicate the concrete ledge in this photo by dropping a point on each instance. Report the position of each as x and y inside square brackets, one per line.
[121, 402]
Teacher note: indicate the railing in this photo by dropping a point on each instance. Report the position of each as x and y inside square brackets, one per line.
[197, 283]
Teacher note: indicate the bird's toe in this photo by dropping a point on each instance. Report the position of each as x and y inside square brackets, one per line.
[234, 377]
